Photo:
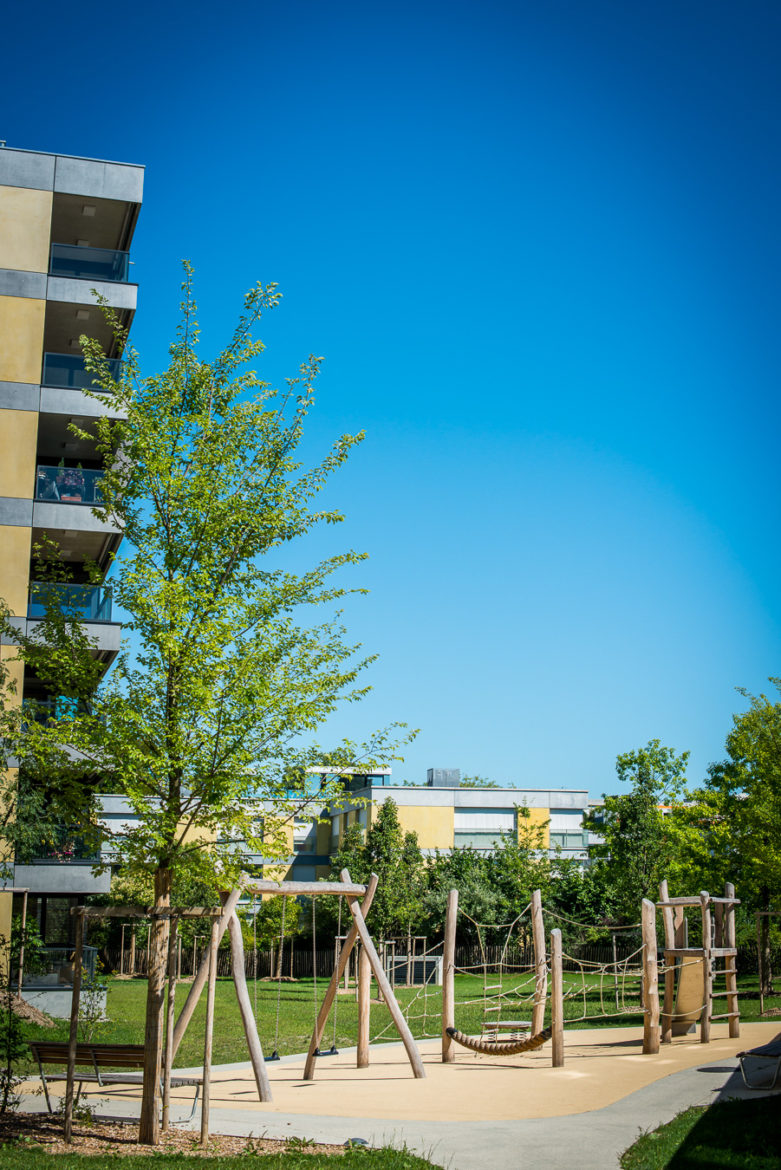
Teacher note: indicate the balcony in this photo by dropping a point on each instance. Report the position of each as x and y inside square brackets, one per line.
[97, 264]
[66, 371]
[67, 848]
[88, 603]
[68, 485]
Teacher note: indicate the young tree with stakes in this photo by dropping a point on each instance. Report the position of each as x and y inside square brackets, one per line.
[201, 721]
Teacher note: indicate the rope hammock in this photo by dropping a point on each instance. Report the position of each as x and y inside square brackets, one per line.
[500, 1047]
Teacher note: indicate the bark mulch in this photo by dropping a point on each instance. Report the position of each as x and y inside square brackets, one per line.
[107, 1137]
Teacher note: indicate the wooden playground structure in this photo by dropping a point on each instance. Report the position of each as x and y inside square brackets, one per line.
[543, 985]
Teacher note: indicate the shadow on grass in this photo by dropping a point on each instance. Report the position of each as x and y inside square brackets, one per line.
[732, 1135]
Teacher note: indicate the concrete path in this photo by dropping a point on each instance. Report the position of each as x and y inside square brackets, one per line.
[478, 1113]
[592, 1140]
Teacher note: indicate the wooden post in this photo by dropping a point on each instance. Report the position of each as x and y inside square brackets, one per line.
[132, 951]
[247, 1018]
[707, 972]
[122, 950]
[195, 955]
[650, 979]
[207, 1044]
[557, 999]
[179, 959]
[615, 970]
[540, 965]
[410, 955]
[333, 986]
[760, 960]
[292, 945]
[364, 1008]
[21, 943]
[731, 963]
[74, 1025]
[668, 921]
[448, 977]
[402, 1026]
[202, 974]
[169, 1023]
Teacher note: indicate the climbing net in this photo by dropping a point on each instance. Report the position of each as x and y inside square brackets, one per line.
[502, 985]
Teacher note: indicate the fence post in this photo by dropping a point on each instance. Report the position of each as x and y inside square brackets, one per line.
[707, 969]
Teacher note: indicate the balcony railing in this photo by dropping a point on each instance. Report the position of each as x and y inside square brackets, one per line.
[58, 707]
[89, 603]
[67, 848]
[68, 485]
[68, 371]
[88, 263]
[53, 967]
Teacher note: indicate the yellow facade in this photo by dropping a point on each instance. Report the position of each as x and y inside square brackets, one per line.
[536, 817]
[18, 437]
[15, 564]
[25, 221]
[434, 825]
[21, 339]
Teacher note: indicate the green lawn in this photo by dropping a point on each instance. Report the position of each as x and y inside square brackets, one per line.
[735, 1135]
[126, 1003]
[26, 1157]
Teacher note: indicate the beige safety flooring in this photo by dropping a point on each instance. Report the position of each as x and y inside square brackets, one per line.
[601, 1067]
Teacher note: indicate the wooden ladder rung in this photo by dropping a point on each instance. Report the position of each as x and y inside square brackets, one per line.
[726, 1016]
[721, 994]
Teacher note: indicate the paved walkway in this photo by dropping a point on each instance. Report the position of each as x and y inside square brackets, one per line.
[560, 1131]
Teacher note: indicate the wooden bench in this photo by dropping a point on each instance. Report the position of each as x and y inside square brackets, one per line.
[769, 1051]
[101, 1056]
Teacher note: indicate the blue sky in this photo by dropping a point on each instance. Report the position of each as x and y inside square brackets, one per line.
[539, 248]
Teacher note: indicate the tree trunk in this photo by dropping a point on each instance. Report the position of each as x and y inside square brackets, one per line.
[766, 968]
[149, 1128]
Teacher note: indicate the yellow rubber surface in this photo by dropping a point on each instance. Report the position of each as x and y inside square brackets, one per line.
[601, 1066]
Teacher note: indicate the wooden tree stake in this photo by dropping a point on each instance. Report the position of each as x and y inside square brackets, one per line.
[214, 942]
[74, 1027]
[557, 999]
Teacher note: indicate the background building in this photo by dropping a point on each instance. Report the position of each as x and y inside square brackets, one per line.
[445, 816]
[66, 226]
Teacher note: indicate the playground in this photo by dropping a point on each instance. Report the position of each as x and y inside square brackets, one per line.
[517, 1038]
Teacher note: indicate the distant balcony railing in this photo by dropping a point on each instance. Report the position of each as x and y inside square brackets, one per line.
[88, 263]
[53, 967]
[67, 848]
[90, 603]
[68, 371]
[68, 485]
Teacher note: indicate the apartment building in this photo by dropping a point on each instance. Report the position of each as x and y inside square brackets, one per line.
[66, 226]
[445, 816]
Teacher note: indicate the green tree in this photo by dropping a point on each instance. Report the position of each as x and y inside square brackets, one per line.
[637, 843]
[211, 702]
[396, 859]
[745, 791]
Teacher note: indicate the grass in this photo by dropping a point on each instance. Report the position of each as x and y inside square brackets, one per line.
[127, 998]
[733, 1135]
[25, 1156]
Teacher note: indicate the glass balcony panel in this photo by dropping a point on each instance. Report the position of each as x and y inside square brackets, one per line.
[88, 263]
[53, 967]
[67, 371]
[89, 603]
[68, 485]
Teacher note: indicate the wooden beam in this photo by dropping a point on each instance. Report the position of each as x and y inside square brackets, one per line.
[202, 974]
[448, 977]
[731, 965]
[364, 1009]
[247, 1018]
[333, 986]
[311, 889]
[707, 970]
[650, 980]
[540, 965]
[402, 1026]
[557, 998]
